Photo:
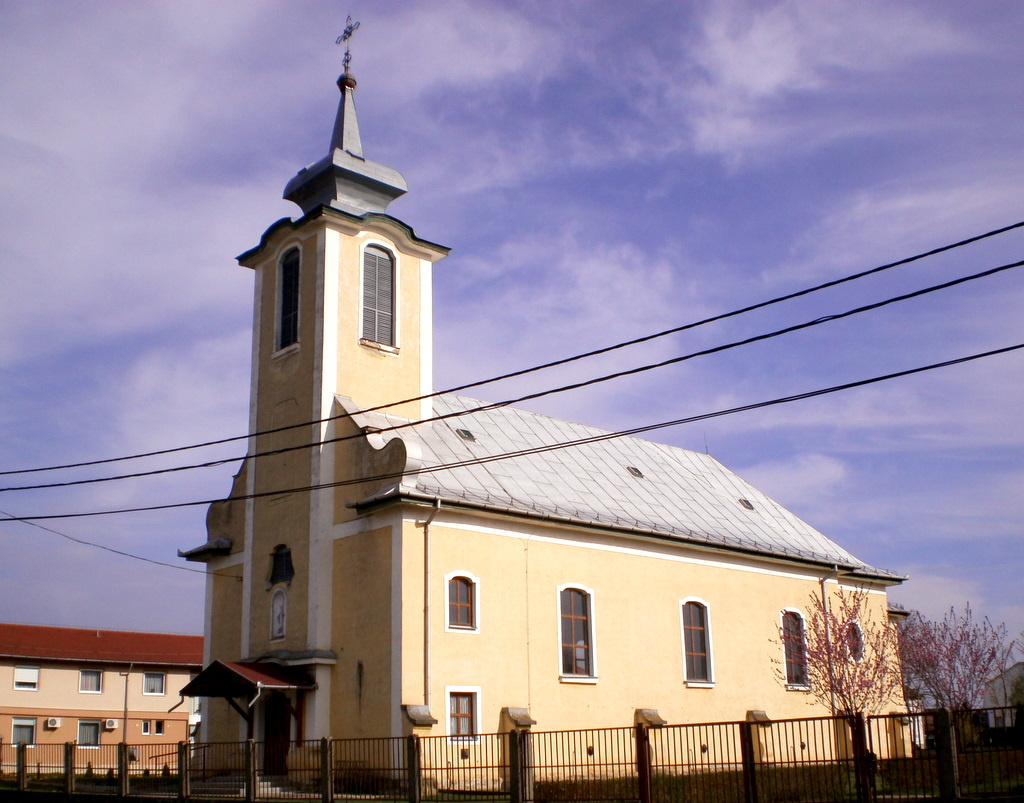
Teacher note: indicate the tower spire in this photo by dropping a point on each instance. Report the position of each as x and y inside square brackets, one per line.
[344, 178]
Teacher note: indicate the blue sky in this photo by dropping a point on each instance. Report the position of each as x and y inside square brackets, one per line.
[600, 170]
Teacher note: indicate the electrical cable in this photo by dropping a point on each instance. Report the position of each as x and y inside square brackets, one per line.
[540, 449]
[539, 394]
[544, 366]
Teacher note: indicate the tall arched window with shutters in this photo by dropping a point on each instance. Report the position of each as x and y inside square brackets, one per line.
[288, 300]
[378, 296]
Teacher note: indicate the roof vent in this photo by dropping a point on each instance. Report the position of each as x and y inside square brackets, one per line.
[746, 503]
[466, 435]
[635, 471]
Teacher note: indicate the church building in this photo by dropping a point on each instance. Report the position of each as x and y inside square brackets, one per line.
[392, 561]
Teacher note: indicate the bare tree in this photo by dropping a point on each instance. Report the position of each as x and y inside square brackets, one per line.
[851, 657]
[949, 662]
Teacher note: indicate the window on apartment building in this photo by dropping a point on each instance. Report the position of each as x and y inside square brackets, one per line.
[461, 602]
[697, 642]
[147, 727]
[23, 730]
[378, 296]
[462, 711]
[88, 732]
[26, 678]
[288, 300]
[154, 683]
[794, 649]
[90, 681]
[158, 727]
[577, 635]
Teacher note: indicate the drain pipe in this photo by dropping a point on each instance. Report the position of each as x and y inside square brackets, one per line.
[824, 617]
[426, 601]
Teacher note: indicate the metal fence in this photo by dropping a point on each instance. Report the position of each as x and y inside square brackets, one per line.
[931, 755]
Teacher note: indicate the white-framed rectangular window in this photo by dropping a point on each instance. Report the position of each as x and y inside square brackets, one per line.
[147, 727]
[23, 730]
[154, 683]
[26, 678]
[88, 732]
[90, 681]
[463, 710]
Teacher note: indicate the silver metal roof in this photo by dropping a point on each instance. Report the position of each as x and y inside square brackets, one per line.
[681, 494]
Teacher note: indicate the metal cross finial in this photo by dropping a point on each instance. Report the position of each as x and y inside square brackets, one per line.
[350, 28]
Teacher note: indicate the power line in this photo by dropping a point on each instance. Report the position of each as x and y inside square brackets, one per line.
[544, 366]
[541, 449]
[31, 523]
[560, 389]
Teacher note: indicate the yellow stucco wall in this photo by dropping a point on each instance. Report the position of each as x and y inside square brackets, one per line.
[637, 591]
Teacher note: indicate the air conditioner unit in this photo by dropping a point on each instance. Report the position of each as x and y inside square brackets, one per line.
[53, 722]
[109, 724]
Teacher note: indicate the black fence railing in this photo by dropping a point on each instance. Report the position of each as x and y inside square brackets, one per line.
[931, 755]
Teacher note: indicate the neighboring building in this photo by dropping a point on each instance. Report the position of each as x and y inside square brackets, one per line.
[569, 588]
[64, 684]
[1007, 688]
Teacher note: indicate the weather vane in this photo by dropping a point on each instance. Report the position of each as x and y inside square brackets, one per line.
[350, 28]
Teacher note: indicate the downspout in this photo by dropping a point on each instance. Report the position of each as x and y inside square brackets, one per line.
[828, 638]
[426, 601]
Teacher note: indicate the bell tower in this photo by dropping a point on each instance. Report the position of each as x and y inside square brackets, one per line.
[342, 308]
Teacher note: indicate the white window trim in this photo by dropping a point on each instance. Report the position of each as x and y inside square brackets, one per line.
[99, 733]
[448, 626]
[279, 593]
[90, 691]
[710, 682]
[582, 679]
[477, 705]
[163, 692]
[803, 621]
[279, 298]
[396, 318]
[26, 669]
[26, 722]
[146, 728]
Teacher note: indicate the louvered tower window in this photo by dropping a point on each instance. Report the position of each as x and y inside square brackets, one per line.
[378, 296]
[288, 300]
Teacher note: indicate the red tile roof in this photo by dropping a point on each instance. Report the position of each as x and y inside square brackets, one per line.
[108, 646]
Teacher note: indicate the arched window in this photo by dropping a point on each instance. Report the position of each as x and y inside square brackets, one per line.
[793, 647]
[378, 296]
[854, 641]
[281, 569]
[278, 614]
[577, 635]
[288, 299]
[697, 642]
[461, 603]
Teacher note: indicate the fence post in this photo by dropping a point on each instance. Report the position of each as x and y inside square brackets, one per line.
[326, 770]
[413, 766]
[69, 768]
[122, 769]
[945, 755]
[250, 771]
[863, 759]
[184, 770]
[21, 761]
[643, 761]
[748, 758]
